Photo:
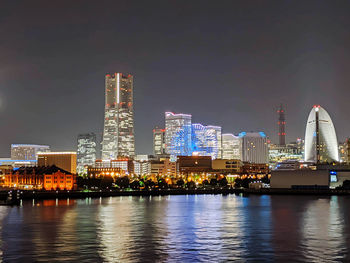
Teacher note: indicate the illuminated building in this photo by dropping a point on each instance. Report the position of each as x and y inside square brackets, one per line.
[321, 143]
[17, 163]
[343, 152]
[40, 177]
[255, 168]
[118, 133]
[194, 164]
[164, 167]
[277, 153]
[99, 172]
[158, 141]
[126, 164]
[206, 140]
[86, 152]
[347, 142]
[231, 146]
[226, 166]
[64, 160]
[178, 134]
[254, 147]
[142, 167]
[27, 151]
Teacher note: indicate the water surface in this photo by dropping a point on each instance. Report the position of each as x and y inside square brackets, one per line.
[193, 228]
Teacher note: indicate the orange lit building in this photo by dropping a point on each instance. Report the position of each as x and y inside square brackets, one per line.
[255, 168]
[40, 178]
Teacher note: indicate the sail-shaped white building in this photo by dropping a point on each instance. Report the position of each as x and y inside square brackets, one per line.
[321, 144]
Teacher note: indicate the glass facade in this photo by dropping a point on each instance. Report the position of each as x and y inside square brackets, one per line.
[321, 144]
[231, 147]
[158, 141]
[86, 151]
[118, 132]
[178, 134]
[206, 140]
[27, 151]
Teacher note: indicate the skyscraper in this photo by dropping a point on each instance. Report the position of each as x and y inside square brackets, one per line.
[86, 151]
[118, 132]
[281, 126]
[178, 134]
[254, 147]
[158, 141]
[206, 140]
[231, 146]
[321, 143]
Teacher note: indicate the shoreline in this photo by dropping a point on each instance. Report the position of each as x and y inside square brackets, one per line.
[26, 195]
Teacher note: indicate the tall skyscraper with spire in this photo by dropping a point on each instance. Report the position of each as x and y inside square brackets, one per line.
[281, 126]
[118, 133]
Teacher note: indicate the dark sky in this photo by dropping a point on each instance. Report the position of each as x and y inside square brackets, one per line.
[228, 63]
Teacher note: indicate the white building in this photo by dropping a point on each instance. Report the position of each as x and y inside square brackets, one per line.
[254, 147]
[118, 133]
[86, 151]
[27, 151]
[321, 144]
[231, 146]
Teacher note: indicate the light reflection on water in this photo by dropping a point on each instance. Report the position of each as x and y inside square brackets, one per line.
[188, 228]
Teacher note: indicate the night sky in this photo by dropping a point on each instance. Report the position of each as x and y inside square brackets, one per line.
[228, 63]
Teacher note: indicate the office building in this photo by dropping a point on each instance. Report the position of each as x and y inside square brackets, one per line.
[321, 144]
[206, 141]
[118, 133]
[163, 167]
[254, 147]
[86, 151]
[27, 151]
[231, 146]
[158, 141]
[64, 160]
[178, 134]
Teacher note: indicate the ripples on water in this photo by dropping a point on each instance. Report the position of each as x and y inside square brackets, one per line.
[207, 228]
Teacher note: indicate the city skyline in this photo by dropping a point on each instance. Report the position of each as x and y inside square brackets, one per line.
[293, 64]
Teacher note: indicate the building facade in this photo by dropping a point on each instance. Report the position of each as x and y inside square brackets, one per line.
[41, 178]
[158, 141]
[321, 144]
[86, 151]
[118, 133]
[254, 147]
[27, 151]
[231, 146]
[206, 141]
[178, 134]
[64, 160]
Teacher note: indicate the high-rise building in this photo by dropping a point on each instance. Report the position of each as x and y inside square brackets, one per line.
[86, 152]
[231, 146]
[254, 147]
[27, 151]
[64, 160]
[321, 144]
[178, 134]
[281, 126]
[158, 141]
[206, 140]
[118, 133]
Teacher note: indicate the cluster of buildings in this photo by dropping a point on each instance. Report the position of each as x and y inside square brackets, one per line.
[180, 148]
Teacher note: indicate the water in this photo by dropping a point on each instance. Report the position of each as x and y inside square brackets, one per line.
[203, 228]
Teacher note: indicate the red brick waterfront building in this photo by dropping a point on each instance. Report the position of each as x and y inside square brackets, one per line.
[40, 178]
